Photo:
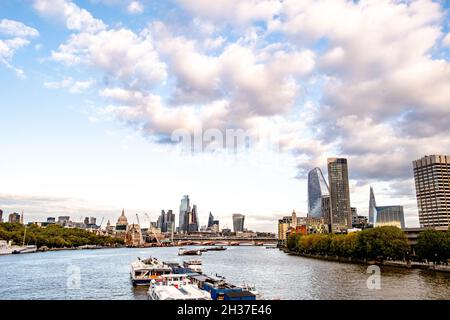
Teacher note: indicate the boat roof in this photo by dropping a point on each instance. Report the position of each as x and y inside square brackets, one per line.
[199, 277]
[187, 292]
[239, 294]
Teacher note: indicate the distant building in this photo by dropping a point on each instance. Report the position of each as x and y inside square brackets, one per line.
[122, 222]
[86, 221]
[185, 208]
[283, 226]
[317, 190]
[166, 221]
[385, 215]
[210, 220]
[134, 236]
[341, 215]
[51, 220]
[14, 218]
[432, 180]
[238, 222]
[226, 231]
[92, 221]
[1, 216]
[215, 227]
[63, 220]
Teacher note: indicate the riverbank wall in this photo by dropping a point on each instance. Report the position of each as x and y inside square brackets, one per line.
[388, 263]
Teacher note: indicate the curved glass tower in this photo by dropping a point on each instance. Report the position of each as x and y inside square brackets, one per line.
[317, 189]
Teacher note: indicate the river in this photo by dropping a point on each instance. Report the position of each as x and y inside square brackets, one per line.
[104, 274]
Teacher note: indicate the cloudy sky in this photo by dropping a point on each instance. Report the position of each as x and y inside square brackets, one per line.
[92, 92]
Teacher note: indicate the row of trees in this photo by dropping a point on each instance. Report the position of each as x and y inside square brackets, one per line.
[379, 243]
[54, 236]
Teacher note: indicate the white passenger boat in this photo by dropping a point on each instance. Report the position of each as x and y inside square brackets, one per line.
[186, 252]
[176, 287]
[5, 248]
[194, 265]
[144, 271]
[24, 249]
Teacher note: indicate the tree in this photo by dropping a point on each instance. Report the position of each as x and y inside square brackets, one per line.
[433, 245]
[382, 243]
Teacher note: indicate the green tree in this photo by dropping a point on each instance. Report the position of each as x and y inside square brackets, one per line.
[433, 246]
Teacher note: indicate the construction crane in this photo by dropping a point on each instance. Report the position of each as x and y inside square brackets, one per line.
[100, 226]
[137, 217]
[151, 229]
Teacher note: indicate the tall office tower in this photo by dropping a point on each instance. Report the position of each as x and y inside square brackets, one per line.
[1, 216]
[238, 222]
[63, 220]
[210, 220]
[194, 225]
[160, 221]
[341, 215]
[14, 218]
[432, 178]
[185, 208]
[317, 188]
[326, 209]
[169, 223]
[372, 208]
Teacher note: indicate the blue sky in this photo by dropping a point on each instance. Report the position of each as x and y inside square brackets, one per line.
[88, 88]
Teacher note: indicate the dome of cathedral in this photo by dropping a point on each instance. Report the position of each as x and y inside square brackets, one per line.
[122, 219]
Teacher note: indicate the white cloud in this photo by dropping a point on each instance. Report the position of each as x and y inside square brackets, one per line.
[15, 36]
[381, 94]
[237, 11]
[135, 7]
[72, 85]
[120, 54]
[74, 17]
[17, 29]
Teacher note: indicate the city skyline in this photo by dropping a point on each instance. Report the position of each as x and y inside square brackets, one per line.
[95, 89]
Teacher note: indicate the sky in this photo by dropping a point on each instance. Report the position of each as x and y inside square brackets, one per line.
[96, 95]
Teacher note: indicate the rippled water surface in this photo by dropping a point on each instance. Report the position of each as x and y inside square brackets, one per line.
[276, 275]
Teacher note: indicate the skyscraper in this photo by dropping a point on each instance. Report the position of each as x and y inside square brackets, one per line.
[238, 222]
[210, 220]
[185, 208]
[166, 221]
[14, 218]
[193, 220]
[372, 207]
[1, 216]
[340, 211]
[317, 188]
[385, 215]
[432, 179]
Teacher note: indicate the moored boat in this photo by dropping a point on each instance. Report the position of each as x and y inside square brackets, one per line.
[193, 265]
[24, 249]
[186, 252]
[220, 248]
[144, 271]
[5, 248]
[176, 287]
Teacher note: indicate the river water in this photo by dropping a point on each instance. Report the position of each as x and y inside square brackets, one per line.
[104, 274]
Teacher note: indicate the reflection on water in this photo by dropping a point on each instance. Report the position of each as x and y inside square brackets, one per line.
[104, 274]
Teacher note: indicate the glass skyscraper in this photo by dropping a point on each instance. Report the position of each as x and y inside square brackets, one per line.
[185, 208]
[317, 189]
[372, 208]
[340, 210]
[238, 222]
[385, 215]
